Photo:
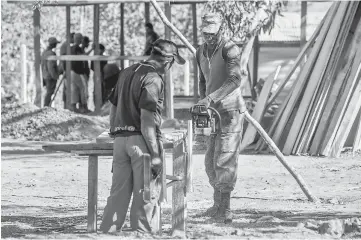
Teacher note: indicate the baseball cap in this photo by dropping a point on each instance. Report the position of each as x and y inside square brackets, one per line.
[168, 49]
[53, 40]
[211, 22]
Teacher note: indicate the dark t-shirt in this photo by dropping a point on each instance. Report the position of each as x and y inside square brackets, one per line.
[138, 87]
[77, 66]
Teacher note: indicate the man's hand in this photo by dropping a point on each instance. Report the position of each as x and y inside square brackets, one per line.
[156, 164]
[205, 101]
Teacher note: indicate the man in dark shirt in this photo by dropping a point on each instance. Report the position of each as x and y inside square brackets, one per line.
[84, 45]
[79, 79]
[50, 70]
[151, 37]
[135, 118]
[102, 64]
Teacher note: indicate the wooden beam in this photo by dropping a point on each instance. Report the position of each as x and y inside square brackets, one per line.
[97, 73]
[38, 79]
[320, 101]
[24, 75]
[147, 12]
[195, 44]
[68, 64]
[168, 76]
[303, 23]
[95, 58]
[255, 61]
[315, 78]
[92, 193]
[357, 141]
[179, 203]
[122, 33]
[297, 62]
[303, 77]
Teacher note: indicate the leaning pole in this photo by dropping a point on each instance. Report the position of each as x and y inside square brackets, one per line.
[248, 117]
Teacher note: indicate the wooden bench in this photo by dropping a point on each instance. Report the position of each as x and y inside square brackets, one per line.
[179, 142]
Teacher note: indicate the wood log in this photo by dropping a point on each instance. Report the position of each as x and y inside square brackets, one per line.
[357, 141]
[281, 158]
[37, 68]
[97, 71]
[315, 79]
[92, 193]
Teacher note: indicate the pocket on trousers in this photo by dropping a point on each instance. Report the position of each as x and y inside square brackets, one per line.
[232, 122]
[230, 142]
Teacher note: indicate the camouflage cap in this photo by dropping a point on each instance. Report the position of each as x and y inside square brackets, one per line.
[211, 22]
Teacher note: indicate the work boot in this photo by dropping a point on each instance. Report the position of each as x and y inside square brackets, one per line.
[211, 212]
[224, 210]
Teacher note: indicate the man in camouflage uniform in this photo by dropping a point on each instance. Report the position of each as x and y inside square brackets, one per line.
[220, 79]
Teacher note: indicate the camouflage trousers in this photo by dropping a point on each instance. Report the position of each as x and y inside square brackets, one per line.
[222, 153]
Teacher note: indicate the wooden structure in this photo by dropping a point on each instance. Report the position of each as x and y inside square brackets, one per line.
[97, 77]
[178, 142]
[317, 116]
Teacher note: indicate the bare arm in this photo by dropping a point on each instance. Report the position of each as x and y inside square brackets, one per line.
[112, 116]
[148, 129]
[232, 55]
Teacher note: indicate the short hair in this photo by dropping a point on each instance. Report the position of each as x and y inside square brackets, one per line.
[101, 47]
[149, 25]
[86, 39]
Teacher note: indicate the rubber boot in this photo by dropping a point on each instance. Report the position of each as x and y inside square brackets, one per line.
[224, 210]
[212, 211]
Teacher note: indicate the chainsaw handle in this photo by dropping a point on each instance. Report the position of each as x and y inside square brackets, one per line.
[218, 116]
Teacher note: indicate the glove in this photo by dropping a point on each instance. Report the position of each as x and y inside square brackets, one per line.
[205, 101]
[156, 165]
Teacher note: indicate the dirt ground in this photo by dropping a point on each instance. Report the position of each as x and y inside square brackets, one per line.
[44, 195]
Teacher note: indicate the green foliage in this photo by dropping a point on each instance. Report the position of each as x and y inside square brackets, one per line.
[245, 18]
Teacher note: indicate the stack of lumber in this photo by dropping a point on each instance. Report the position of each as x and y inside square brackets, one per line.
[324, 103]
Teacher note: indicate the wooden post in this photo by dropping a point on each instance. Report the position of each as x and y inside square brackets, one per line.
[178, 199]
[195, 44]
[255, 62]
[92, 193]
[186, 78]
[303, 23]
[147, 12]
[97, 72]
[121, 40]
[189, 183]
[38, 81]
[68, 63]
[24, 74]
[168, 76]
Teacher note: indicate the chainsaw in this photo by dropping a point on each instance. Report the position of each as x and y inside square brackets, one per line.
[204, 120]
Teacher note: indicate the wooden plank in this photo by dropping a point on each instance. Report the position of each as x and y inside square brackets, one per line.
[259, 109]
[256, 49]
[92, 193]
[93, 152]
[315, 113]
[147, 178]
[298, 60]
[168, 82]
[349, 117]
[163, 195]
[315, 78]
[38, 80]
[122, 35]
[147, 12]
[76, 146]
[178, 199]
[97, 73]
[304, 76]
[303, 23]
[195, 44]
[341, 96]
[68, 64]
[357, 141]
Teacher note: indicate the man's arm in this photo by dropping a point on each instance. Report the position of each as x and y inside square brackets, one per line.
[148, 129]
[202, 80]
[232, 56]
[113, 110]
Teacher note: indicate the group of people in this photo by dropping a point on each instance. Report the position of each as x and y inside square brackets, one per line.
[135, 120]
[80, 72]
